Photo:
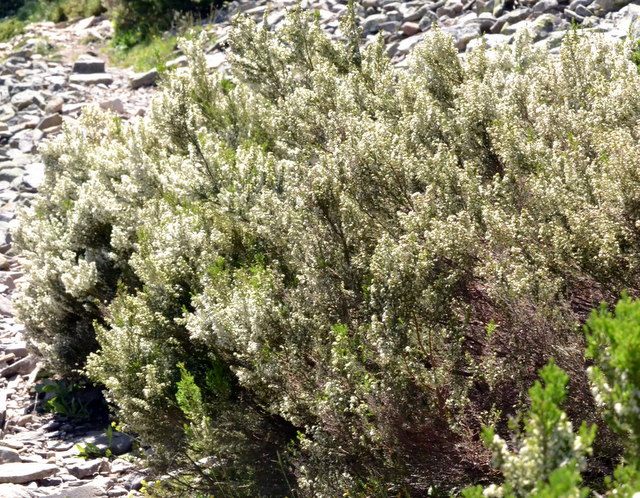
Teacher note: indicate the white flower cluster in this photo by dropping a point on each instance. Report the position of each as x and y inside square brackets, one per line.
[323, 234]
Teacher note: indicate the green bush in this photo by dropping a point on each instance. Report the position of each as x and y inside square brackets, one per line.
[549, 456]
[139, 21]
[10, 28]
[326, 274]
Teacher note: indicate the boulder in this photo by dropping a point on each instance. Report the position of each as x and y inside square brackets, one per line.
[88, 64]
[91, 78]
[19, 473]
[143, 79]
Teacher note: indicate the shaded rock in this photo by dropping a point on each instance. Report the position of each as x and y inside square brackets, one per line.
[6, 309]
[19, 473]
[20, 367]
[143, 79]
[8, 455]
[88, 64]
[120, 443]
[49, 121]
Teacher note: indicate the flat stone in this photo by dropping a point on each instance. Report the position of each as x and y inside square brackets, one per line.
[20, 473]
[49, 121]
[15, 491]
[85, 468]
[86, 23]
[87, 491]
[215, 60]
[20, 367]
[91, 79]
[26, 98]
[19, 349]
[8, 455]
[114, 105]
[117, 491]
[88, 64]
[181, 61]
[33, 176]
[410, 28]
[143, 79]
[6, 309]
[120, 443]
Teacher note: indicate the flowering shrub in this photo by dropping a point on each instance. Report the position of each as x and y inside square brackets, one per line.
[549, 456]
[324, 273]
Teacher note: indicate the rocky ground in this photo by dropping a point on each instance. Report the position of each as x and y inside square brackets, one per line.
[46, 78]
[51, 72]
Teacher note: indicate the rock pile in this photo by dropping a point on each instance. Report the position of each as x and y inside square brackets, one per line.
[403, 24]
[39, 90]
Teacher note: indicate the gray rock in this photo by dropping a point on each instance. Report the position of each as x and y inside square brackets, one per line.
[86, 468]
[20, 367]
[574, 5]
[181, 61]
[582, 11]
[601, 7]
[26, 98]
[8, 455]
[91, 79]
[6, 112]
[33, 176]
[571, 15]
[143, 79]
[87, 491]
[120, 443]
[462, 35]
[10, 173]
[545, 5]
[54, 105]
[15, 491]
[19, 349]
[372, 23]
[50, 121]
[20, 473]
[410, 28]
[88, 64]
[117, 491]
[408, 43]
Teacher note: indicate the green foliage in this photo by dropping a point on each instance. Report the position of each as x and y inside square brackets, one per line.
[154, 52]
[284, 280]
[24, 11]
[614, 344]
[89, 450]
[139, 21]
[63, 402]
[10, 28]
[548, 456]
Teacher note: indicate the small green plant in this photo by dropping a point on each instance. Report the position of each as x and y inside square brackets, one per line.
[90, 450]
[63, 401]
[548, 455]
[613, 342]
[154, 52]
[10, 28]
